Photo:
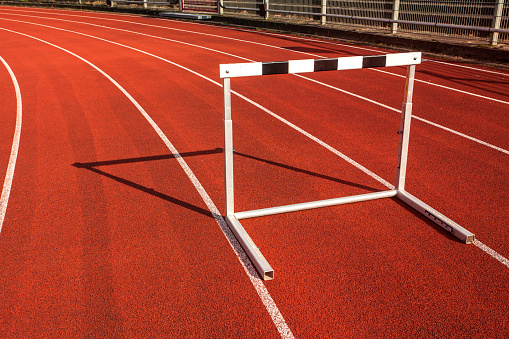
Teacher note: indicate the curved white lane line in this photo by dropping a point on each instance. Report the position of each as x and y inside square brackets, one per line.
[448, 88]
[362, 168]
[413, 116]
[6, 190]
[303, 77]
[260, 288]
[469, 67]
[275, 47]
[127, 31]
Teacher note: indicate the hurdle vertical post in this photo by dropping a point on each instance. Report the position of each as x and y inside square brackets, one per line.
[228, 148]
[404, 130]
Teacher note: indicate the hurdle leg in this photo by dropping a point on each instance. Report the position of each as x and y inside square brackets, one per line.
[257, 258]
[432, 214]
[404, 130]
[228, 148]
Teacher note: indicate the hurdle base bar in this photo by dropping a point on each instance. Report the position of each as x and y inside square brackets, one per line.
[264, 268]
[257, 258]
[314, 204]
[447, 224]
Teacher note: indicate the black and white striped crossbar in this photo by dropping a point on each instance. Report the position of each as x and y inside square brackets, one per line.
[318, 65]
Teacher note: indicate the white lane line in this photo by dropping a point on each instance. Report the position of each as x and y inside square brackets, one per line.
[500, 149]
[491, 252]
[251, 272]
[362, 168]
[413, 116]
[325, 42]
[320, 142]
[284, 49]
[303, 77]
[6, 190]
[469, 67]
[129, 31]
[448, 88]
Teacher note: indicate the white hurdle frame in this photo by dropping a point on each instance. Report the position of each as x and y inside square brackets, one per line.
[227, 71]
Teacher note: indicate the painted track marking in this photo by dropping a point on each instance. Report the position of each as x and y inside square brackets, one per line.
[336, 44]
[260, 288]
[360, 167]
[269, 34]
[266, 45]
[491, 252]
[9, 176]
[469, 67]
[450, 88]
[351, 161]
[500, 149]
[270, 46]
[303, 77]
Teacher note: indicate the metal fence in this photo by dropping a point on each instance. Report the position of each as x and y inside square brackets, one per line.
[476, 20]
[479, 20]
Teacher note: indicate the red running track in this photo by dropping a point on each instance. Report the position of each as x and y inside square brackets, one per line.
[106, 236]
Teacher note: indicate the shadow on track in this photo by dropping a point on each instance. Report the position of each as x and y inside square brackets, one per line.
[300, 170]
[430, 223]
[92, 166]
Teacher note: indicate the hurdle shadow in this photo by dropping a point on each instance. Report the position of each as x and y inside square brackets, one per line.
[303, 171]
[93, 167]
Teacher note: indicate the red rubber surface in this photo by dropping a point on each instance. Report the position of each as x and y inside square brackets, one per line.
[106, 236]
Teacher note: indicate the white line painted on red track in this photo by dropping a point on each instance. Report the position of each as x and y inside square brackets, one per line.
[9, 176]
[500, 149]
[320, 142]
[133, 32]
[450, 88]
[218, 84]
[303, 77]
[351, 161]
[468, 67]
[272, 46]
[251, 272]
[335, 43]
[491, 252]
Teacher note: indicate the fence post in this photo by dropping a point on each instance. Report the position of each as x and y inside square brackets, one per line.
[220, 9]
[395, 16]
[323, 19]
[266, 4]
[180, 6]
[145, 5]
[497, 18]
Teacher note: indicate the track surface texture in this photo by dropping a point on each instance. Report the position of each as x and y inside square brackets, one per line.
[113, 190]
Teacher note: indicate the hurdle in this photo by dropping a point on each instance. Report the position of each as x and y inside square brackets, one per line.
[228, 71]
